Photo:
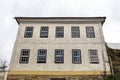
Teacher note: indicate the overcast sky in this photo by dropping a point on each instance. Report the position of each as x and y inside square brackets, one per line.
[52, 8]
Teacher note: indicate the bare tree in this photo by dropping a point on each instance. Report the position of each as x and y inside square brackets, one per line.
[3, 65]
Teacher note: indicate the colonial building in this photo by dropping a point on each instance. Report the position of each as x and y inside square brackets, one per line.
[59, 48]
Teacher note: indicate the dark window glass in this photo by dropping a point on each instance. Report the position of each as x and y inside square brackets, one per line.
[59, 32]
[76, 56]
[75, 32]
[90, 32]
[42, 56]
[59, 55]
[93, 56]
[24, 57]
[44, 32]
[28, 32]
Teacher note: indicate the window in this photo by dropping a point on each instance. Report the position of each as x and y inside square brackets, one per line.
[76, 56]
[90, 32]
[93, 56]
[75, 32]
[42, 56]
[28, 32]
[59, 56]
[44, 32]
[59, 32]
[24, 57]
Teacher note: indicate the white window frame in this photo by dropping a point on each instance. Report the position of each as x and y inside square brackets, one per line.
[59, 32]
[75, 32]
[59, 55]
[44, 31]
[93, 56]
[78, 56]
[42, 53]
[28, 33]
[24, 56]
[90, 33]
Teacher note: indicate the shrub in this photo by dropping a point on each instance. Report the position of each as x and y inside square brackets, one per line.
[113, 77]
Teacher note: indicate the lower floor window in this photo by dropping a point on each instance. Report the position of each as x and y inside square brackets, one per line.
[76, 56]
[59, 56]
[93, 56]
[42, 56]
[24, 57]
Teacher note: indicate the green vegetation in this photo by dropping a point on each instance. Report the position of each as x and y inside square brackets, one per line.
[113, 77]
[114, 57]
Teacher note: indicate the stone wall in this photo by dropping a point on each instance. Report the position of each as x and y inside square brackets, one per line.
[35, 77]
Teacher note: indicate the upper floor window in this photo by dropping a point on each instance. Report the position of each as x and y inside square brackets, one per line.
[59, 56]
[42, 56]
[75, 32]
[76, 56]
[28, 32]
[59, 32]
[93, 56]
[24, 57]
[44, 32]
[90, 32]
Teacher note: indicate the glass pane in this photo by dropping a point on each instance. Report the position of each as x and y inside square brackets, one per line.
[59, 32]
[44, 32]
[42, 55]
[76, 56]
[90, 32]
[75, 32]
[28, 32]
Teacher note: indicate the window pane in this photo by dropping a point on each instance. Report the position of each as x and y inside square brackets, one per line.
[24, 57]
[28, 32]
[90, 32]
[59, 32]
[76, 56]
[44, 32]
[75, 32]
[42, 56]
[59, 53]
[93, 56]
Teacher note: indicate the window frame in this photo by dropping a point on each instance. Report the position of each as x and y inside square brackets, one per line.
[30, 32]
[62, 56]
[76, 56]
[95, 56]
[46, 32]
[21, 56]
[74, 31]
[38, 61]
[90, 34]
[60, 32]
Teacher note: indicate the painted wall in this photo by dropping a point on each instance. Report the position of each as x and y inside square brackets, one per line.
[67, 43]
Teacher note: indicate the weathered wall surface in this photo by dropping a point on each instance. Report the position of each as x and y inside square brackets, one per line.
[67, 43]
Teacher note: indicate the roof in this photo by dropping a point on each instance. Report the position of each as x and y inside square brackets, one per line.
[53, 18]
[114, 45]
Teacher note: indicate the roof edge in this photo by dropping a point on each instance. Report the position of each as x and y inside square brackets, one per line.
[16, 18]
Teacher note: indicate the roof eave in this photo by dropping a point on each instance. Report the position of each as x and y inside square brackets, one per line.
[17, 18]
